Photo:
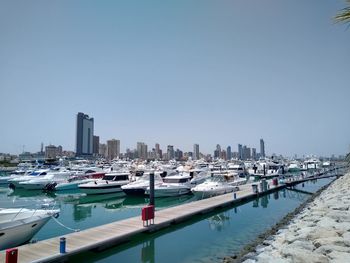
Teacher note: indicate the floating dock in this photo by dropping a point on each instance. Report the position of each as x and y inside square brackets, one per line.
[109, 235]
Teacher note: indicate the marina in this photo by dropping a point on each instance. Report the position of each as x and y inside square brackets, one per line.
[123, 230]
[174, 131]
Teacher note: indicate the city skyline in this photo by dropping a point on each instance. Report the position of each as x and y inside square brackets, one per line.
[176, 73]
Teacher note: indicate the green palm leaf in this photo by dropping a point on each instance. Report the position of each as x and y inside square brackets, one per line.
[344, 14]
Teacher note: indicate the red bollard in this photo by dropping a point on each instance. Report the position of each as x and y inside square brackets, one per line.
[11, 255]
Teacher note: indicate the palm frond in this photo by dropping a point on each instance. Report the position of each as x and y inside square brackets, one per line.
[344, 14]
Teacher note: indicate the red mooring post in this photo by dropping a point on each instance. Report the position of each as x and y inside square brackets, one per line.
[11, 255]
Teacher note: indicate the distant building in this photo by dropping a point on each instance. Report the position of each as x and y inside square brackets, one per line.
[240, 152]
[113, 149]
[262, 148]
[142, 150]
[223, 155]
[248, 154]
[229, 153]
[158, 151]
[178, 155]
[244, 152]
[170, 152]
[95, 145]
[84, 135]
[217, 152]
[51, 152]
[102, 150]
[254, 154]
[196, 152]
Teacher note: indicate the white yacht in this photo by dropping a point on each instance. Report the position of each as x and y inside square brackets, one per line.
[237, 168]
[15, 182]
[294, 166]
[39, 183]
[70, 184]
[312, 163]
[110, 183]
[200, 177]
[139, 187]
[173, 185]
[19, 225]
[212, 187]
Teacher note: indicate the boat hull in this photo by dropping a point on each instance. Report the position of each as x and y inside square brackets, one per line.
[135, 191]
[164, 192]
[18, 234]
[91, 190]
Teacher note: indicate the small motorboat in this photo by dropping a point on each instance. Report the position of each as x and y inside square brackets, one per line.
[140, 186]
[173, 185]
[110, 183]
[212, 187]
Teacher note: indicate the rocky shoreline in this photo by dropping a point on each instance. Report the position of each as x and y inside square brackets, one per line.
[317, 231]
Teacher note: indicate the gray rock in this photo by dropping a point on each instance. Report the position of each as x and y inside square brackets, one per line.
[339, 257]
[299, 255]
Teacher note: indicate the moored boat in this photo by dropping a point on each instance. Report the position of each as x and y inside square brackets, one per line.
[110, 183]
[19, 225]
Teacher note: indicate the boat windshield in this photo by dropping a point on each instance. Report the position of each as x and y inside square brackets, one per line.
[114, 177]
[175, 180]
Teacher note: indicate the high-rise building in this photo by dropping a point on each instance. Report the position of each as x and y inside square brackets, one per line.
[170, 152]
[51, 152]
[113, 149]
[217, 152]
[158, 151]
[96, 144]
[178, 155]
[196, 152]
[142, 150]
[102, 150]
[85, 133]
[240, 152]
[254, 154]
[223, 155]
[229, 153]
[262, 148]
[244, 152]
[248, 153]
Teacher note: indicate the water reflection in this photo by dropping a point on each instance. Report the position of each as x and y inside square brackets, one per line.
[218, 221]
[264, 201]
[148, 252]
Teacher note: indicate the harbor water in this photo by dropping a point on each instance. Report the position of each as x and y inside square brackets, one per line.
[206, 238]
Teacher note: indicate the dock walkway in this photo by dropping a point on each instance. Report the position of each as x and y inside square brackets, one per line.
[108, 235]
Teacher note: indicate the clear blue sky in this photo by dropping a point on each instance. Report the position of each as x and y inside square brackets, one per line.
[176, 72]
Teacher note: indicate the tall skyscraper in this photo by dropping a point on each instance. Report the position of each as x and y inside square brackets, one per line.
[96, 144]
[113, 149]
[228, 153]
[254, 154]
[217, 152]
[142, 150]
[240, 152]
[262, 148]
[85, 133]
[196, 152]
[102, 149]
[158, 151]
[170, 152]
